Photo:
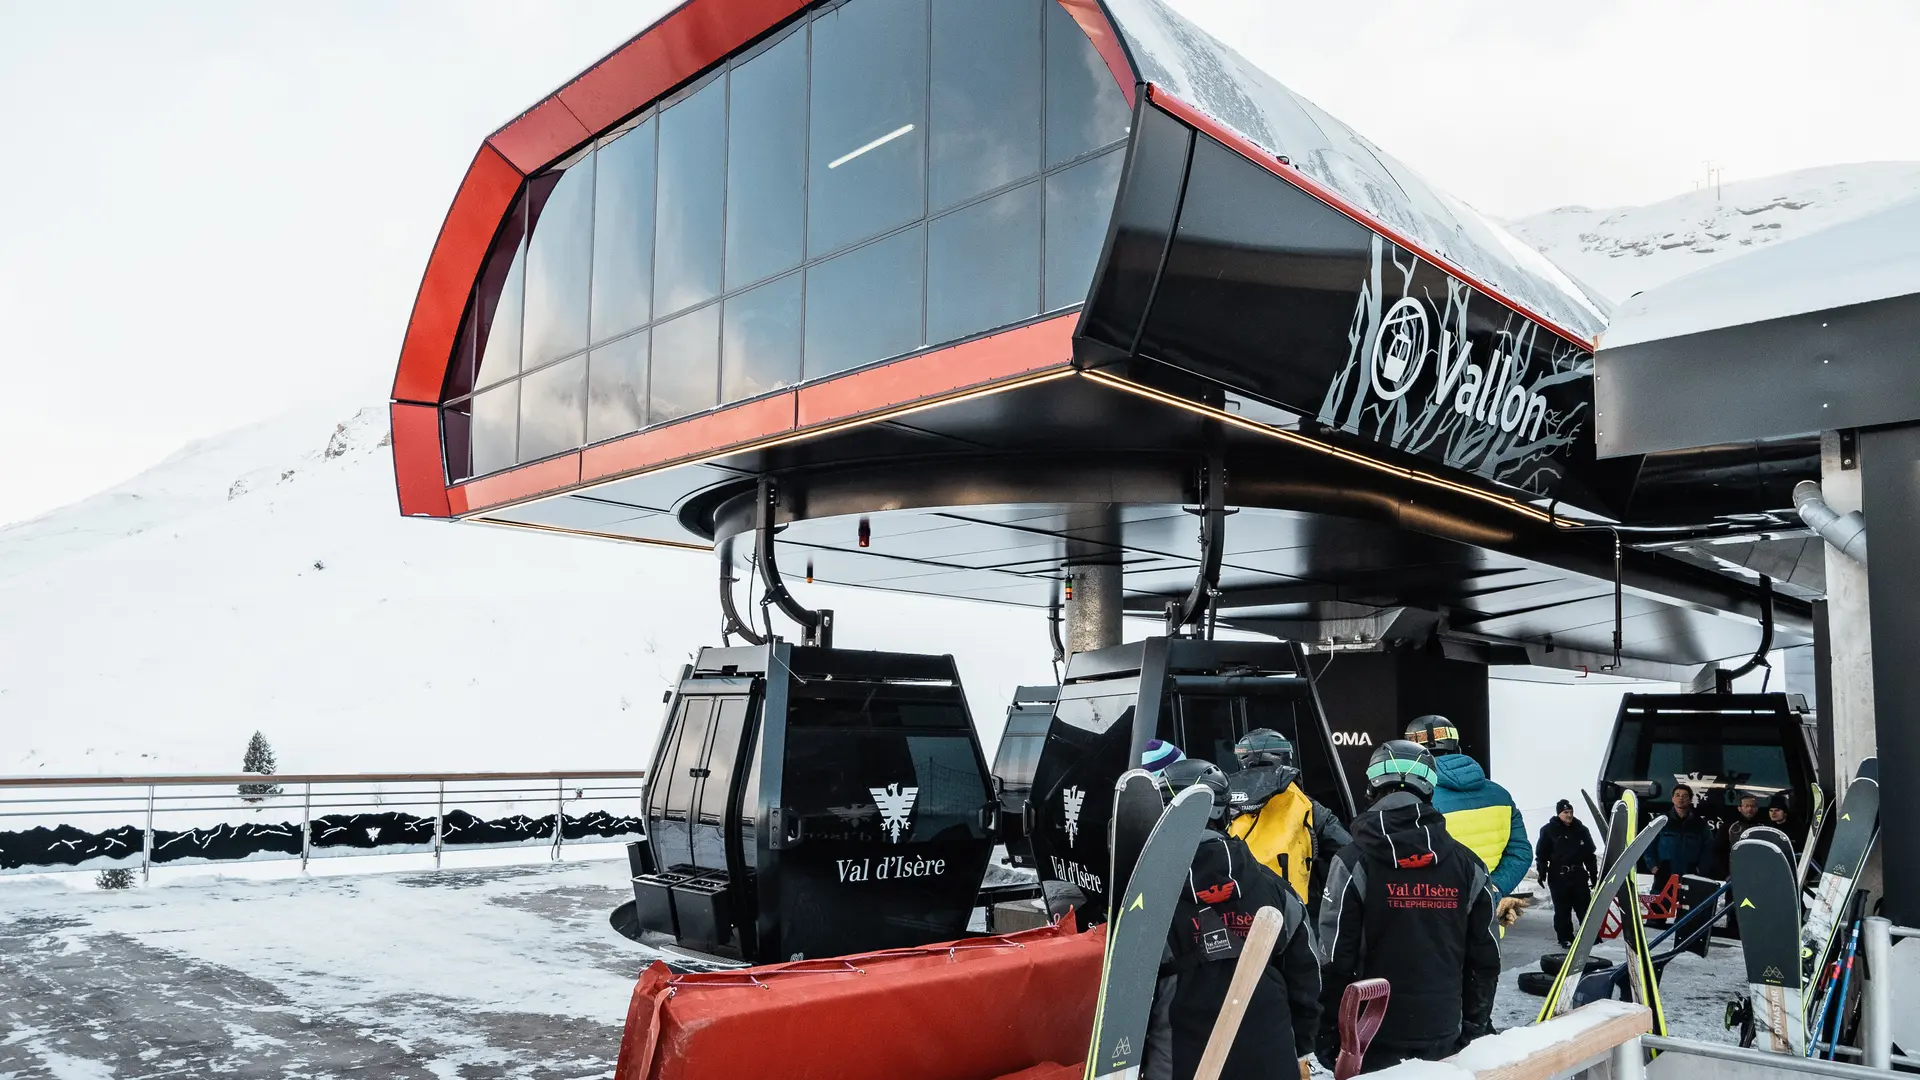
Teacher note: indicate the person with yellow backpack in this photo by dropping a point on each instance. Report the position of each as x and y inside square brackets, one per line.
[1288, 831]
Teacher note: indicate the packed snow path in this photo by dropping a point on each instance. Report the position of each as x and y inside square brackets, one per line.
[508, 972]
[492, 973]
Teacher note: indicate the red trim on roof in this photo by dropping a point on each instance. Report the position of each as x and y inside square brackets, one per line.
[516, 485]
[983, 361]
[1253, 152]
[486, 194]
[419, 477]
[1100, 30]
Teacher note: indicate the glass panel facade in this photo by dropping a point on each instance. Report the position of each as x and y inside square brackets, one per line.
[985, 111]
[881, 176]
[623, 233]
[617, 387]
[685, 374]
[553, 409]
[691, 202]
[983, 265]
[865, 305]
[767, 162]
[868, 121]
[760, 340]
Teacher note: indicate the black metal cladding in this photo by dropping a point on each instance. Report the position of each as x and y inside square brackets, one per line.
[1266, 290]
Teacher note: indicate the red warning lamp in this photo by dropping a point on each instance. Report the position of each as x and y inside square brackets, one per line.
[809, 571]
[1069, 588]
[866, 533]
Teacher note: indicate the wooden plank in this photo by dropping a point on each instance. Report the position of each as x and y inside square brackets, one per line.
[1584, 1034]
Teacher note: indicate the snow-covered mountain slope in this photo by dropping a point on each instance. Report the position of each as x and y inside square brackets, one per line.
[1622, 250]
[263, 579]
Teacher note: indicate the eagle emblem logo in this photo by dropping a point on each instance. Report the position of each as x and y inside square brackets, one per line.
[896, 808]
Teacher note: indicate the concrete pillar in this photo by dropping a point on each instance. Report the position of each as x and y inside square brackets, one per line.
[1849, 627]
[1890, 497]
[1093, 559]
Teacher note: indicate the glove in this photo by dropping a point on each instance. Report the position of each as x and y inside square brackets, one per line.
[1306, 1070]
[1326, 1048]
[1470, 1032]
[1510, 909]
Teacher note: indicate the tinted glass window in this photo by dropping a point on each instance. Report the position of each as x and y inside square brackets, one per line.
[553, 409]
[559, 266]
[1143, 218]
[983, 265]
[688, 753]
[686, 365]
[623, 233]
[867, 165]
[723, 751]
[760, 340]
[1079, 205]
[500, 358]
[692, 194]
[1085, 108]
[864, 305]
[767, 162]
[617, 387]
[496, 420]
[456, 434]
[984, 116]
[1098, 708]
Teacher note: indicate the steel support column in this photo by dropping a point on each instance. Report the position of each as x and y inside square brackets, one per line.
[1889, 469]
[1093, 563]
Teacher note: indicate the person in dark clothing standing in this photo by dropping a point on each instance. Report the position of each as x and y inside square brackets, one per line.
[1684, 846]
[1408, 903]
[1777, 810]
[1226, 887]
[1564, 856]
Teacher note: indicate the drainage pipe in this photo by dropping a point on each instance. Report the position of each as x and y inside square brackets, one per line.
[1846, 532]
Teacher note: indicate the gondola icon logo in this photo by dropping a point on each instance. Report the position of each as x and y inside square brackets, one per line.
[1399, 349]
[896, 808]
[1070, 800]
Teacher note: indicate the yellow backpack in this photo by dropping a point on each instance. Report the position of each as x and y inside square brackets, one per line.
[1280, 835]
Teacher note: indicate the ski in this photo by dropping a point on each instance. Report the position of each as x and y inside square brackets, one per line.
[1853, 837]
[1642, 974]
[1768, 906]
[1137, 804]
[1819, 1027]
[1254, 954]
[1777, 839]
[1137, 935]
[1599, 819]
[1560, 994]
[1816, 821]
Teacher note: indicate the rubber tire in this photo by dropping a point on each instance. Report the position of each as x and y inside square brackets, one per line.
[1536, 983]
[1551, 963]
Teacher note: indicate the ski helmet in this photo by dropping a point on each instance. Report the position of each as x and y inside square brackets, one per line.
[1398, 763]
[1263, 746]
[1187, 772]
[1158, 755]
[1436, 733]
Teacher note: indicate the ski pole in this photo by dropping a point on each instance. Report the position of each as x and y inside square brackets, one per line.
[1846, 983]
[1826, 1002]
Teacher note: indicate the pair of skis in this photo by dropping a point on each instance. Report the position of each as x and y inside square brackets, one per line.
[1626, 845]
[1788, 956]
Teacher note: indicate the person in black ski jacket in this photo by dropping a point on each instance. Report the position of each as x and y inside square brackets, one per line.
[1684, 846]
[1564, 856]
[1225, 889]
[1410, 904]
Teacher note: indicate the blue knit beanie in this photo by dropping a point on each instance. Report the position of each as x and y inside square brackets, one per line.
[1159, 755]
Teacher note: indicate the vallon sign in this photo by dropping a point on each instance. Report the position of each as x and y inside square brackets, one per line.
[1438, 369]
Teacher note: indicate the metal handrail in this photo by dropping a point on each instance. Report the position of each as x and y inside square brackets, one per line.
[1764, 1059]
[307, 778]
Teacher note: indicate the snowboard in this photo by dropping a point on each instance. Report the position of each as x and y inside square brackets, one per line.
[1137, 804]
[1560, 994]
[1853, 837]
[1768, 905]
[1137, 935]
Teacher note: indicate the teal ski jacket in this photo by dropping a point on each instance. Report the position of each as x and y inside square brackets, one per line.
[1481, 815]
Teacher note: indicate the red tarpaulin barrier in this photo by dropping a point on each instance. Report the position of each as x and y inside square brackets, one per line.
[966, 1010]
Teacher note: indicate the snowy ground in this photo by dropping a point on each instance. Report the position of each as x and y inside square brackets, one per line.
[505, 972]
[502, 972]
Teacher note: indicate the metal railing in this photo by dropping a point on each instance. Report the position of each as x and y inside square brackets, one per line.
[51, 801]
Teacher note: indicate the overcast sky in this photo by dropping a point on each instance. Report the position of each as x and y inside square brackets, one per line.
[219, 211]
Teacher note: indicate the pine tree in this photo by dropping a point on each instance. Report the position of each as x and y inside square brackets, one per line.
[259, 759]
